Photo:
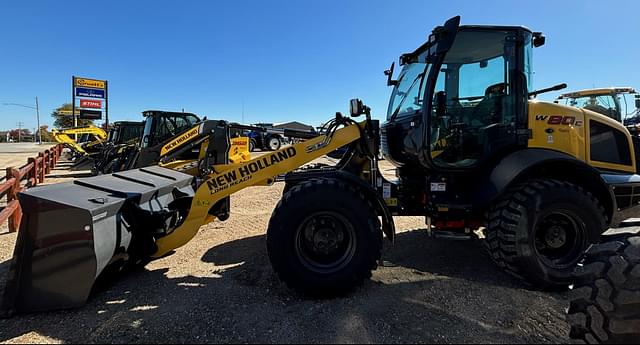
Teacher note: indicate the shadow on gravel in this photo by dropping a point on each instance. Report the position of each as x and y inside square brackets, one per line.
[438, 291]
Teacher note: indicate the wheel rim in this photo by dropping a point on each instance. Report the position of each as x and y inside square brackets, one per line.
[325, 242]
[274, 143]
[560, 239]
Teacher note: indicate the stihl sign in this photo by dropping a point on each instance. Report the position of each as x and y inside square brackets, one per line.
[89, 103]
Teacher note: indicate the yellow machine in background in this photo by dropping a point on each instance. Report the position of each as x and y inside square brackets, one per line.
[618, 103]
[96, 137]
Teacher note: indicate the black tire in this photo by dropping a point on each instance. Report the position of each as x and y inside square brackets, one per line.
[252, 145]
[540, 229]
[273, 143]
[605, 301]
[324, 214]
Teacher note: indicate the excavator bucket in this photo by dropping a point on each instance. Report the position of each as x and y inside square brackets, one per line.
[72, 232]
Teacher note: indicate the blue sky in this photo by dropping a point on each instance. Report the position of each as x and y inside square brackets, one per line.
[284, 60]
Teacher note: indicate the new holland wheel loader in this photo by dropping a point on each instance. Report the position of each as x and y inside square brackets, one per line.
[472, 150]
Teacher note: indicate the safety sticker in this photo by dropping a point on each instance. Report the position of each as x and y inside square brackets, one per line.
[438, 187]
[386, 191]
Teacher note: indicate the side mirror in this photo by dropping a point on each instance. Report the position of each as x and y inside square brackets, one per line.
[357, 108]
[440, 103]
[389, 74]
[638, 102]
[538, 39]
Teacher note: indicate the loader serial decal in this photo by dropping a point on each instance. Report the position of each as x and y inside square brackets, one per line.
[179, 140]
[245, 172]
[559, 120]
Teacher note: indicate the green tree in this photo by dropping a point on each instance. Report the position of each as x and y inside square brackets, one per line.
[66, 120]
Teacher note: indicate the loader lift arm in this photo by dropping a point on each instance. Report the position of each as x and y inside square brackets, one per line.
[226, 179]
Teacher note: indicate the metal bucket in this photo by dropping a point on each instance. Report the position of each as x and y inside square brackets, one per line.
[71, 232]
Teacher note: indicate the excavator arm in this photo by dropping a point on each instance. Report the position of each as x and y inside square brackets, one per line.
[64, 136]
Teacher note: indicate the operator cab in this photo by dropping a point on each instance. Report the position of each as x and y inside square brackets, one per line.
[620, 103]
[460, 98]
[159, 126]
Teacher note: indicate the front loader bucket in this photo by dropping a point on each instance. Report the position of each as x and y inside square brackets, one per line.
[70, 232]
[83, 163]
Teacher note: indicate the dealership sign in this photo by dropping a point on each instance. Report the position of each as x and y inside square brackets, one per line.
[85, 92]
[84, 82]
[90, 109]
[91, 103]
[90, 114]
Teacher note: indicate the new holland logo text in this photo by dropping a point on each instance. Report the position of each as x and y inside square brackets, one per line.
[170, 146]
[245, 172]
[559, 120]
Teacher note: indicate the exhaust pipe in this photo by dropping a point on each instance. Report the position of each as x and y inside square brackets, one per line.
[71, 232]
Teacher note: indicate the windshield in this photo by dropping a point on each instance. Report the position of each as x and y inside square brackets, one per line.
[129, 132]
[407, 95]
[604, 104]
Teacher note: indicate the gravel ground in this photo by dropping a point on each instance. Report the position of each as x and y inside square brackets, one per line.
[15, 154]
[221, 288]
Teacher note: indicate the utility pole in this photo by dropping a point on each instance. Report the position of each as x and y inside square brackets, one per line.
[38, 133]
[20, 124]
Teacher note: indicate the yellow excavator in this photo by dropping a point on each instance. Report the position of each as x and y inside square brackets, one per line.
[473, 150]
[93, 137]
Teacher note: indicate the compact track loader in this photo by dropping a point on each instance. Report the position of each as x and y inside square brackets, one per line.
[473, 150]
[123, 137]
[175, 140]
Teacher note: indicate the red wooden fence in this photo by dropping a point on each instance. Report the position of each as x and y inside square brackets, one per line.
[33, 173]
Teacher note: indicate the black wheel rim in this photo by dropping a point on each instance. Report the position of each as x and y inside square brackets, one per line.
[560, 239]
[325, 242]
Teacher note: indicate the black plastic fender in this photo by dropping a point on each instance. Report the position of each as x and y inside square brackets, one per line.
[522, 164]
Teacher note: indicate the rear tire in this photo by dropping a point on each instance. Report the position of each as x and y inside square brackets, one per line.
[540, 229]
[605, 300]
[324, 238]
[252, 145]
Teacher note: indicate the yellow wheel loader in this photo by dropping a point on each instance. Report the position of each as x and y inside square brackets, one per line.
[472, 150]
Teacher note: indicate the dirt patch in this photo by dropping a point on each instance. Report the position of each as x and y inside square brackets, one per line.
[220, 288]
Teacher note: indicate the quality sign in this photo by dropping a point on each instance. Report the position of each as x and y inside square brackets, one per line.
[91, 103]
[86, 92]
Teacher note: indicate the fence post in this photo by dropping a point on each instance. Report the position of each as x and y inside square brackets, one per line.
[47, 161]
[40, 167]
[14, 219]
[32, 174]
